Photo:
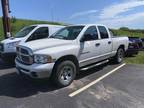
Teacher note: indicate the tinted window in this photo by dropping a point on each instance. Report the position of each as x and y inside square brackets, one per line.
[25, 31]
[68, 33]
[40, 33]
[91, 34]
[103, 32]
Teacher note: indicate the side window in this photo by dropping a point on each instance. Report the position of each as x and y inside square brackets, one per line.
[91, 34]
[40, 33]
[64, 33]
[103, 32]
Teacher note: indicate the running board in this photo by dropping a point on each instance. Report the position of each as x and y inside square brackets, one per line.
[94, 65]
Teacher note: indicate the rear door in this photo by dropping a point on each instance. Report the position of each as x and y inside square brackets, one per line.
[105, 42]
[89, 48]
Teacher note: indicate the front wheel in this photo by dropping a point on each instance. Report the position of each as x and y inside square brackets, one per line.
[64, 73]
[119, 55]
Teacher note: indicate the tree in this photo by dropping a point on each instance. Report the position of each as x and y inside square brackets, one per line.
[124, 28]
[13, 19]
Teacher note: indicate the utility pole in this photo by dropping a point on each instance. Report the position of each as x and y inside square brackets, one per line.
[5, 18]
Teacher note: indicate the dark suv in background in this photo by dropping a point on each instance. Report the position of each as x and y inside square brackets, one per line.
[135, 44]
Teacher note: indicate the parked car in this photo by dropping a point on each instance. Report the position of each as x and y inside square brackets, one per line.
[69, 50]
[27, 34]
[137, 40]
[134, 46]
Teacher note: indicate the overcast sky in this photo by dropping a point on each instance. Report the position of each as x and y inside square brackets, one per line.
[114, 13]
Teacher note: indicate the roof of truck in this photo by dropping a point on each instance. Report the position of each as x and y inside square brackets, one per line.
[50, 25]
[88, 25]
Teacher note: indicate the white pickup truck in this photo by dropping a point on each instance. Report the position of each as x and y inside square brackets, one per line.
[29, 33]
[69, 50]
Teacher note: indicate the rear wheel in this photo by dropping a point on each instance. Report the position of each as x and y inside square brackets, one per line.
[64, 73]
[119, 56]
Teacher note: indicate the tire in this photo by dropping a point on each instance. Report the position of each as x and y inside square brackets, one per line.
[64, 73]
[119, 56]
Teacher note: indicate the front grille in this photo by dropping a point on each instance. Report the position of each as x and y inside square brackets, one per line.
[24, 56]
[1, 47]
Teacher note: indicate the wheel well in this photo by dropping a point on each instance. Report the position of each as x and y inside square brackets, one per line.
[68, 57]
[122, 46]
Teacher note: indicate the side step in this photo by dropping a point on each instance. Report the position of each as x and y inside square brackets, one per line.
[94, 65]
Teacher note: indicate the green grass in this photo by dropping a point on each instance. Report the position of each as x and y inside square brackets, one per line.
[130, 33]
[137, 59]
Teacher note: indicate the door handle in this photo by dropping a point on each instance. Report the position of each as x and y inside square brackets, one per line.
[109, 42]
[97, 44]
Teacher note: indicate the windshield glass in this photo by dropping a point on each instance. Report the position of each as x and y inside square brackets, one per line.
[68, 33]
[25, 31]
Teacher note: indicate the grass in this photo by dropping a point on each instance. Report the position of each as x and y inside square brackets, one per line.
[129, 33]
[137, 59]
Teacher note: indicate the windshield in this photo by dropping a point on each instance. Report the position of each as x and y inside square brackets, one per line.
[25, 31]
[68, 33]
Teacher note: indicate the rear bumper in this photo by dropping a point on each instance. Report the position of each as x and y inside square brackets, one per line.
[35, 70]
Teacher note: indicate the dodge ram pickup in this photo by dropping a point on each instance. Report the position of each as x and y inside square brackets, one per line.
[69, 50]
[28, 33]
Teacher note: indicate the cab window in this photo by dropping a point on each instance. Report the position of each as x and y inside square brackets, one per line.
[40, 33]
[103, 32]
[90, 34]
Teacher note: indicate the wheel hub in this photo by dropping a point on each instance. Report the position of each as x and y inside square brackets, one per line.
[66, 74]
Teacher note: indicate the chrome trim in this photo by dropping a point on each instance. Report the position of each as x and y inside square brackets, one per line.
[94, 57]
[25, 58]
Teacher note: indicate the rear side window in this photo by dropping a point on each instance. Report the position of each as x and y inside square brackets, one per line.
[92, 33]
[103, 32]
[40, 33]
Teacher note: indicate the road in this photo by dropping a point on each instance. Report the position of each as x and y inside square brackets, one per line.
[121, 89]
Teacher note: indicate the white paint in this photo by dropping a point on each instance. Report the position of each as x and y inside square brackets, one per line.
[95, 81]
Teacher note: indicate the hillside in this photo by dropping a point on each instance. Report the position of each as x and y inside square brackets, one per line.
[17, 24]
[130, 32]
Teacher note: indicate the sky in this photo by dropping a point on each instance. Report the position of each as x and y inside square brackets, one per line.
[113, 13]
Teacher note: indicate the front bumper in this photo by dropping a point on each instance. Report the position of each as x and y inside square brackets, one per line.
[35, 70]
[7, 55]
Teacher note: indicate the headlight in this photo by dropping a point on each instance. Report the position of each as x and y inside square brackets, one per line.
[42, 59]
[12, 44]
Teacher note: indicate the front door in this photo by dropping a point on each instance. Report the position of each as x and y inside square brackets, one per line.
[89, 47]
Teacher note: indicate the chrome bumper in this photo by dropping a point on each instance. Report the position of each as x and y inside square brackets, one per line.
[35, 70]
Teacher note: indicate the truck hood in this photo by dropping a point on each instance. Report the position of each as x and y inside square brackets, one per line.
[46, 43]
[10, 40]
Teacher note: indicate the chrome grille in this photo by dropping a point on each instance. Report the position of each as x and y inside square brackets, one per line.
[24, 56]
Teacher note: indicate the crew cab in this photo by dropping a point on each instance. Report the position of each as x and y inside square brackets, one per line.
[27, 34]
[67, 51]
